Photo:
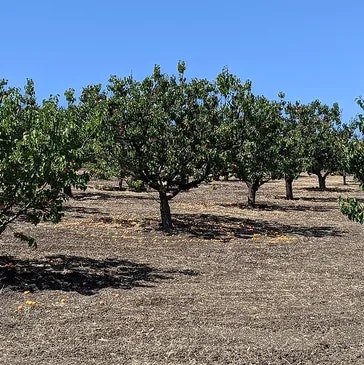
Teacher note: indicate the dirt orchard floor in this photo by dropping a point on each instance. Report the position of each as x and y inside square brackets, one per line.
[279, 284]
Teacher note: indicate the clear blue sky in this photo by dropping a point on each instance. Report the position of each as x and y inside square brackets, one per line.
[307, 49]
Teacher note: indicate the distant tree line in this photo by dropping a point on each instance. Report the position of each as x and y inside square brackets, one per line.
[169, 133]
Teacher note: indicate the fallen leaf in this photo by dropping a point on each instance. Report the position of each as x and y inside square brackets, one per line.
[31, 303]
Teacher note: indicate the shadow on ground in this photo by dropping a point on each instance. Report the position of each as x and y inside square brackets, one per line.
[284, 208]
[342, 189]
[80, 274]
[321, 199]
[80, 212]
[98, 195]
[211, 226]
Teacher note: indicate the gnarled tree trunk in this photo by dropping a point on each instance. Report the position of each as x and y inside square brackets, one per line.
[252, 191]
[321, 178]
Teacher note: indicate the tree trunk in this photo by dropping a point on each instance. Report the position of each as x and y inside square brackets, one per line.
[167, 225]
[289, 188]
[344, 179]
[68, 191]
[322, 181]
[252, 191]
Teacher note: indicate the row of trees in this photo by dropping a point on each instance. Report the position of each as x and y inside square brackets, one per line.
[168, 132]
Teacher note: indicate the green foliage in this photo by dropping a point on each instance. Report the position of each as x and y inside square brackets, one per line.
[293, 158]
[42, 148]
[355, 149]
[353, 208]
[291, 146]
[256, 158]
[164, 128]
[321, 127]
[249, 133]
[136, 185]
[355, 155]
[232, 94]
[100, 152]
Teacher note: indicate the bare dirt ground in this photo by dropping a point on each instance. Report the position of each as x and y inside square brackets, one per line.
[280, 284]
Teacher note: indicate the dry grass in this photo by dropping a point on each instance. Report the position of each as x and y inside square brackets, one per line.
[280, 284]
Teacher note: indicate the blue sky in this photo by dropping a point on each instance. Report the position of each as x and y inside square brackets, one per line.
[307, 49]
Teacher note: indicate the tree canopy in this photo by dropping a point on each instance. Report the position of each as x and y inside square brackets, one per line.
[164, 130]
[42, 149]
[354, 208]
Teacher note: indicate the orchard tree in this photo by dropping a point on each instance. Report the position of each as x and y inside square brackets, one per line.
[99, 150]
[356, 148]
[232, 93]
[354, 208]
[291, 151]
[351, 207]
[258, 160]
[355, 156]
[345, 140]
[164, 129]
[77, 136]
[321, 125]
[25, 159]
[254, 125]
[41, 149]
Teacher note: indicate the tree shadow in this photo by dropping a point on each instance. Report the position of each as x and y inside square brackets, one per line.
[80, 274]
[328, 190]
[97, 195]
[113, 188]
[209, 226]
[321, 199]
[281, 207]
[81, 211]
